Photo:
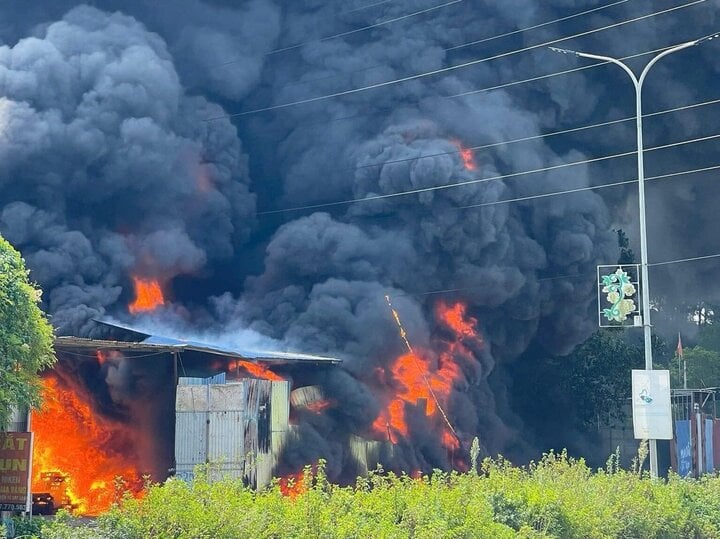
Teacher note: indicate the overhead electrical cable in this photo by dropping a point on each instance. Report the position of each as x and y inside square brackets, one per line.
[530, 138]
[569, 191]
[681, 260]
[499, 86]
[354, 31]
[540, 25]
[550, 75]
[564, 72]
[484, 180]
[452, 68]
[484, 40]
[555, 278]
[366, 6]
[588, 188]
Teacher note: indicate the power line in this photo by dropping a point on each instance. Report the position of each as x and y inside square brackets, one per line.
[355, 31]
[681, 260]
[532, 137]
[565, 72]
[550, 75]
[451, 68]
[589, 188]
[483, 180]
[557, 277]
[547, 23]
[366, 6]
[484, 40]
[614, 184]
[496, 87]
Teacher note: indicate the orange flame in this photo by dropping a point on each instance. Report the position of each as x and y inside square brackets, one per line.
[456, 319]
[467, 156]
[292, 485]
[148, 295]
[419, 383]
[255, 369]
[79, 455]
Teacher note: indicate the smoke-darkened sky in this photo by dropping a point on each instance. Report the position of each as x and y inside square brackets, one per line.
[152, 139]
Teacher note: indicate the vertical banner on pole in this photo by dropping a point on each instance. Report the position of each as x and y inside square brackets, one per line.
[709, 457]
[683, 446]
[652, 418]
[716, 442]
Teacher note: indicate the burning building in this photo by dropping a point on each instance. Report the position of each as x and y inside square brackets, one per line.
[220, 168]
[107, 423]
[119, 413]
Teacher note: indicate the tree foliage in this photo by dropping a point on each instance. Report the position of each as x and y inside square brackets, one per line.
[703, 368]
[26, 336]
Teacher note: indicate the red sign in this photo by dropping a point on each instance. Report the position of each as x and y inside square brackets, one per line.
[15, 465]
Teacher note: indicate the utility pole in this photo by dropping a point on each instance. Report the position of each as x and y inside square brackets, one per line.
[638, 84]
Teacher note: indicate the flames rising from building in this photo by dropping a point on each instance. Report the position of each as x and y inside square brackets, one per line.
[148, 295]
[79, 454]
[424, 380]
[139, 181]
[254, 370]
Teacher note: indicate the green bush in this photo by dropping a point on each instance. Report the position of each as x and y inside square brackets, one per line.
[555, 497]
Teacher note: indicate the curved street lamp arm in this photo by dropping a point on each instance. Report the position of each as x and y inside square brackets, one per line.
[615, 61]
[663, 55]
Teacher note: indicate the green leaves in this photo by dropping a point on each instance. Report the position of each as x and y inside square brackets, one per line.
[26, 336]
[556, 497]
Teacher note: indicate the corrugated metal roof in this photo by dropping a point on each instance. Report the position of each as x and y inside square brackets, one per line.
[161, 343]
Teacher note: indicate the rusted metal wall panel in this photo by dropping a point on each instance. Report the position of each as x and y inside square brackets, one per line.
[190, 429]
[226, 430]
[239, 428]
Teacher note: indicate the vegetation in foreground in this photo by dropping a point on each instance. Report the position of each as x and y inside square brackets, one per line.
[556, 497]
[26, 336]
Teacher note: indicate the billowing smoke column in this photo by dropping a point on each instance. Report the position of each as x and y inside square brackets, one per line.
[108, 167]
[111, 174]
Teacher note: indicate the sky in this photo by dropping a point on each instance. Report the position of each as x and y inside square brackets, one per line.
[279, 167]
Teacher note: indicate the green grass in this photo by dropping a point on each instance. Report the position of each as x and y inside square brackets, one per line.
[556, 497]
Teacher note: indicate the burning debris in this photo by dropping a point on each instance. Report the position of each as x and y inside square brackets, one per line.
[78, 454]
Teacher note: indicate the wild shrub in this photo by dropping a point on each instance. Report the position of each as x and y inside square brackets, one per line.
[557, 496]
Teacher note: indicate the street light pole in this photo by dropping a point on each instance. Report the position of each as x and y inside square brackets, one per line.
[638, 83]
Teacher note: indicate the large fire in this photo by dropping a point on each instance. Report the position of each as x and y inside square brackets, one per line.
[420, 382]
[77, 455]
[148, 295]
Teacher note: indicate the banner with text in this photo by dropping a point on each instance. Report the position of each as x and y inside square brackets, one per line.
[15, 465]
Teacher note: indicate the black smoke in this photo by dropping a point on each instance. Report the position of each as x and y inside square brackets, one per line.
[118, 160]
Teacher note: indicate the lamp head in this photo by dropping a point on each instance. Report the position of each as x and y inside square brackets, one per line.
[563, 51]
[706, 38]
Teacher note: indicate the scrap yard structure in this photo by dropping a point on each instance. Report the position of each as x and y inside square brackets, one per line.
[151, 405]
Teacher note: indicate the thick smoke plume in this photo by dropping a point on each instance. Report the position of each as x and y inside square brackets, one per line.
[110, 169]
